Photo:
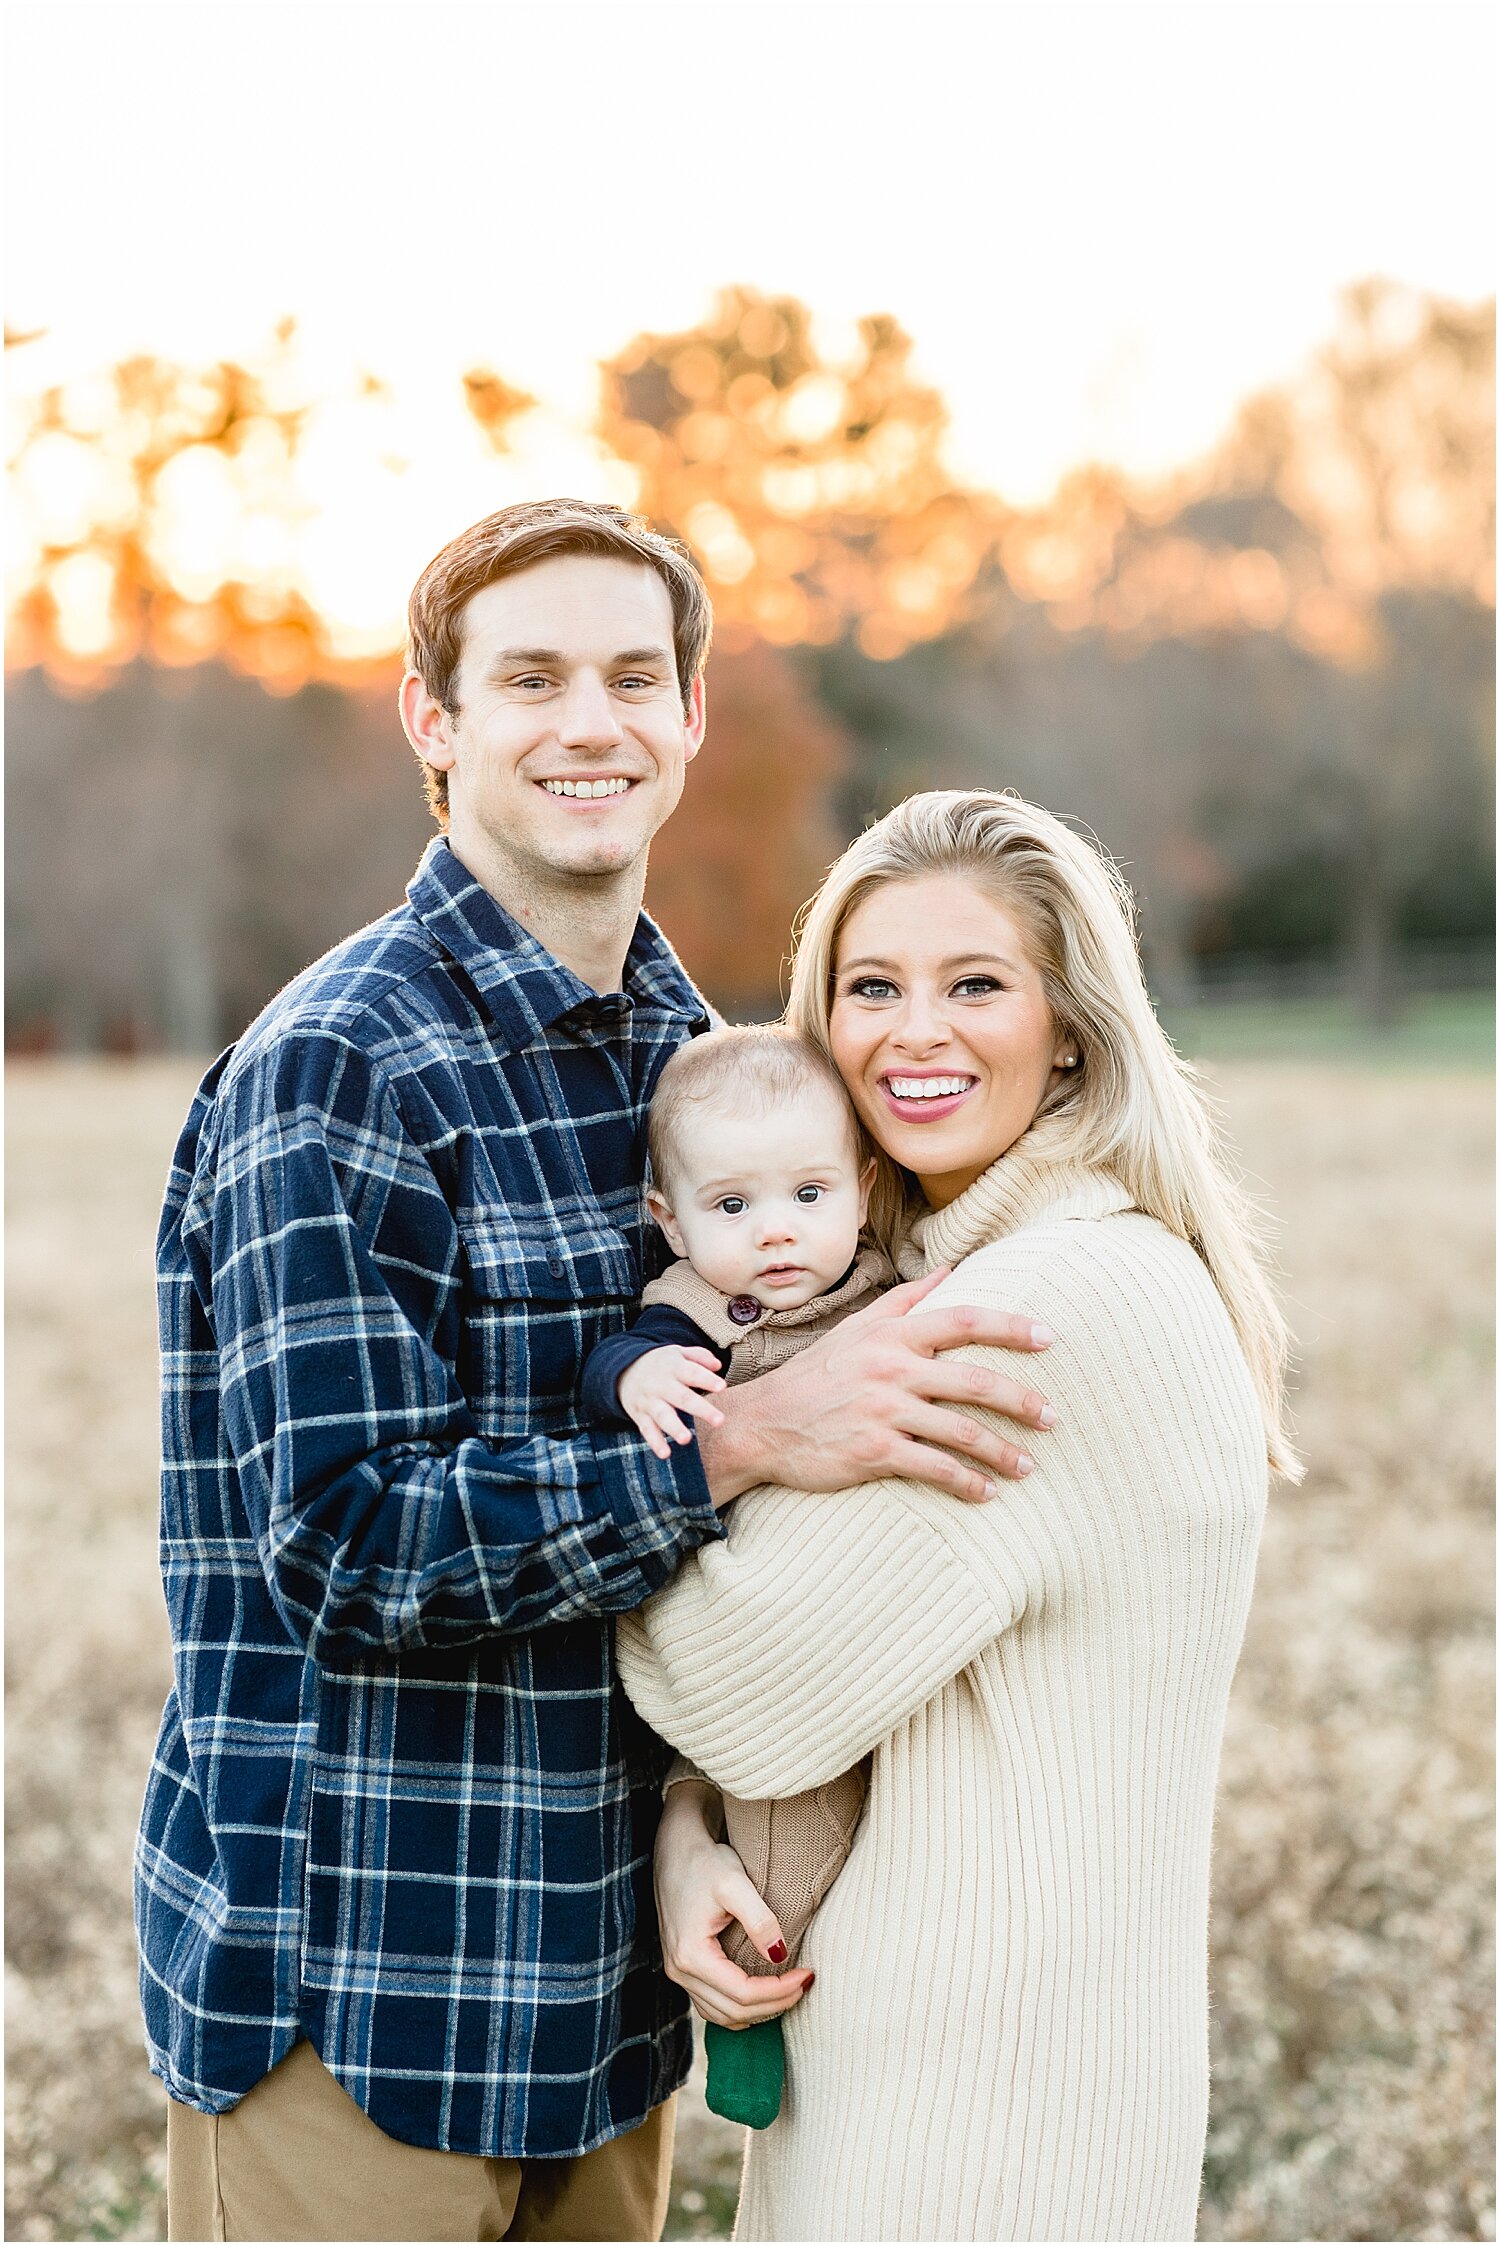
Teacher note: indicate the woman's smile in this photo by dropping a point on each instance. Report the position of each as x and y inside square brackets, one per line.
[915, 1097]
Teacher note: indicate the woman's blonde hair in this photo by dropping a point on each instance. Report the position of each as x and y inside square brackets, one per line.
[1131, 1106]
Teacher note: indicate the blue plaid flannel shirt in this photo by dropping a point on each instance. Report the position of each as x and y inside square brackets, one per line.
[399, 1803]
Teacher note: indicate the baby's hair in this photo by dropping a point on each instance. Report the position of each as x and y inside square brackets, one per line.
[755, 1067]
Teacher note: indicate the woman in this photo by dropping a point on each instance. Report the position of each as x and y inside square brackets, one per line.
[1008, 2038]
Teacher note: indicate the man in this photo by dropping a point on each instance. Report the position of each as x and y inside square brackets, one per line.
[399, 1957]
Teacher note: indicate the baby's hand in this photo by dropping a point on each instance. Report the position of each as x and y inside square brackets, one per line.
[656, 1387]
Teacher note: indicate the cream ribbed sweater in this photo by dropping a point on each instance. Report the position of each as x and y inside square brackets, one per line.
[1008, 2036]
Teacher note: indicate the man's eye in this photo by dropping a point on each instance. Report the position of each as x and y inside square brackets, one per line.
[807, 1194]
[636, 678]
[532, 678]
[732, 1205]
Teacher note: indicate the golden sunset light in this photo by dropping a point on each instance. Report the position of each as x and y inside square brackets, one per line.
[1083, 279]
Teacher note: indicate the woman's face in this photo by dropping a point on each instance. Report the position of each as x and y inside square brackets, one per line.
[940, 1028]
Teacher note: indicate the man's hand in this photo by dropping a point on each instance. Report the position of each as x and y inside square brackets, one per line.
[655, 1388]
[701, 1887]
[878, 1396]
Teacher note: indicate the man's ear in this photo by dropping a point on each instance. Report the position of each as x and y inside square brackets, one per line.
[666, 1220]
[866, 1181]
[427, 724]
[695, 724]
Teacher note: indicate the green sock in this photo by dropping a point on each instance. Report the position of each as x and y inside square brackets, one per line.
[746, 2070]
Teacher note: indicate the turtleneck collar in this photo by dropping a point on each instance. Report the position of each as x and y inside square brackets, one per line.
[1026, 1183]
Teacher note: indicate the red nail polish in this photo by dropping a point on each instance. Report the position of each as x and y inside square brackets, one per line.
[777, 1953]
[807, 1984]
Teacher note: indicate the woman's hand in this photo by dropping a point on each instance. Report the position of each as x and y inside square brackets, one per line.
[701, 1887]
[879, 1396]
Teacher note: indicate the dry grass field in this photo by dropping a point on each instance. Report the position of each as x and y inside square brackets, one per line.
[1352, 1951]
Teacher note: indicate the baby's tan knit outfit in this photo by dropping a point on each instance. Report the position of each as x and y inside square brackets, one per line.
[762, 1339]
[793, 1849]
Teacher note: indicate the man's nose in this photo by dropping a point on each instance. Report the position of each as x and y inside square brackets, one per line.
[587, 719]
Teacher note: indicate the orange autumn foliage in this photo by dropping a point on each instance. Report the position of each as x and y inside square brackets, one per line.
[755, 831]
[812, 488]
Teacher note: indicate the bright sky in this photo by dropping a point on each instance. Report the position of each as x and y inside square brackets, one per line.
[1102, 224]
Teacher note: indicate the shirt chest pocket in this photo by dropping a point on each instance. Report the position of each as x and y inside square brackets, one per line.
[538, 1301]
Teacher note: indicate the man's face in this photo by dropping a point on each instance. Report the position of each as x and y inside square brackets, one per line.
[570, 743]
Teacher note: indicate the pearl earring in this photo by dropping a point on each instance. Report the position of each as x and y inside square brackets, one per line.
[1070, 1060]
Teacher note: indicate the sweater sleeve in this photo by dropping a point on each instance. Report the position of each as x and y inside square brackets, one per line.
[779, 1656]
[832, 1619]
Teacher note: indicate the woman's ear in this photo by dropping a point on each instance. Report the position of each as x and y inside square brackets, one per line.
[866, 1181]
[667, 1221]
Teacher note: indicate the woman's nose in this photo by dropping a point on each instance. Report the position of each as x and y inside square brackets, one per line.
[920, 1029]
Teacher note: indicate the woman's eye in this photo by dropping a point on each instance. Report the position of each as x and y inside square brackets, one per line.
[807, 1194]
[732, 1205]
[871, 986]
[977, 986]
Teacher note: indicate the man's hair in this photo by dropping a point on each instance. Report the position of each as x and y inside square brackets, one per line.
[756, 1068]
[515, 539]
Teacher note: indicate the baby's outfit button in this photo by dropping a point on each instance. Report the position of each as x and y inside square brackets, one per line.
[744, 1310]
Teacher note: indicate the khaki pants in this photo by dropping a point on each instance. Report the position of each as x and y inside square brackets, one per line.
[298, 2159]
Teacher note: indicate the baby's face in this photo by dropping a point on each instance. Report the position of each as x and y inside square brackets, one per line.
[768, 1205]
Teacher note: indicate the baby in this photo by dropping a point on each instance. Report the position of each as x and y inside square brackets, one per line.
[761, 1178]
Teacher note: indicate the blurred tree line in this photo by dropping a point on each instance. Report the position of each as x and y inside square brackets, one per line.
[1267, 686]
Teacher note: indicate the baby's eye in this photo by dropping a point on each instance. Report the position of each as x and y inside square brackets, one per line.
[807, 1194]
[733, 1205]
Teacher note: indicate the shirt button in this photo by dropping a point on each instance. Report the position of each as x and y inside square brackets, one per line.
[555, 1266]
[744, 1310]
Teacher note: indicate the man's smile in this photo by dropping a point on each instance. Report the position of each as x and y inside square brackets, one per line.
[589, 790]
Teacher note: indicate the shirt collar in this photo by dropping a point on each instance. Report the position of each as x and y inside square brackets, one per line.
[522, 985]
